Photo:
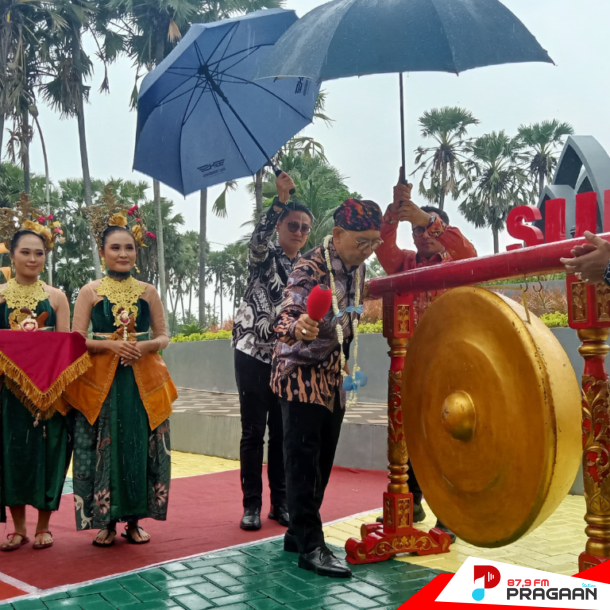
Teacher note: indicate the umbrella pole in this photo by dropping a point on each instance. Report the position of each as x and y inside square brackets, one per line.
[403, 171]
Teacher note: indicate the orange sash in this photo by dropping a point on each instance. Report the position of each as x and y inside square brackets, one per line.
[157, 390]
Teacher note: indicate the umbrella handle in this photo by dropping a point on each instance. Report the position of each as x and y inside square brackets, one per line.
[278, 172]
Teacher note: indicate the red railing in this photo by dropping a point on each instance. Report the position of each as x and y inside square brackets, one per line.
[537, 260]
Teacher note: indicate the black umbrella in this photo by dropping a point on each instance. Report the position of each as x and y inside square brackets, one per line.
[358, 37]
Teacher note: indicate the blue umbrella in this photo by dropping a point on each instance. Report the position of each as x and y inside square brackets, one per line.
[358, 37]
[201, 119]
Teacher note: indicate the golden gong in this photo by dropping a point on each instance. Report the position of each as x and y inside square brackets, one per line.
[492, 416]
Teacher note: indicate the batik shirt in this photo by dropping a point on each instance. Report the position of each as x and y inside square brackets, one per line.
[310, 371]
[269, 270]
[395, 260]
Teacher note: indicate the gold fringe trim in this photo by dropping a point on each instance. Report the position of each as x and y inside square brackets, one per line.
[33, 398]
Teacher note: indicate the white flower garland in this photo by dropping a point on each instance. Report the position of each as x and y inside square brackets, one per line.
[353, 395]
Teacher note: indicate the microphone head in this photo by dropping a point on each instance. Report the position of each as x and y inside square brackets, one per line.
[319, 302]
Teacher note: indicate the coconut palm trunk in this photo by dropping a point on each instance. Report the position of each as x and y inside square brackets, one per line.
[441, 198]
[82, 142]
[25, 153]
[203, 227]
[258, 193]
[47, 193]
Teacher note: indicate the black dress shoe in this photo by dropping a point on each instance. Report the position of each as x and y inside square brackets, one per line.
[321, 561]
[280, 514]
[251, 521]
[441, 526]
[419, 514]
[290, 543]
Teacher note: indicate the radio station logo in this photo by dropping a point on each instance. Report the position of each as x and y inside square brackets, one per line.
[527, 589]
[489, 577]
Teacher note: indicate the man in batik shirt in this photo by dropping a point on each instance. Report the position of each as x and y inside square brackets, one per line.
[307, 375]
[436, 242]
[270, 265]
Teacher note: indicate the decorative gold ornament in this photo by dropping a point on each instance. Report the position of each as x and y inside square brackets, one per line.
[22, 216]
[24, 296]
[123, 295]
[108, 212]
[103, 263]
[492, 416]
[137, 269]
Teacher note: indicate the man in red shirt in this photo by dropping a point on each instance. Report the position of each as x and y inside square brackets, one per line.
[437, 242]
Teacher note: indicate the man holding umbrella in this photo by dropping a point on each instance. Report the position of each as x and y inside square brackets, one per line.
[436, 242]
[310, 371]
[254, 339]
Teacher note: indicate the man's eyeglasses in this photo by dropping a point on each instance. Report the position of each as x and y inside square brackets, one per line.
[365, 244]
[418, 231]
[294, 226]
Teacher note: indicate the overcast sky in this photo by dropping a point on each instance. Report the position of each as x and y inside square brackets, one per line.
[364, 139]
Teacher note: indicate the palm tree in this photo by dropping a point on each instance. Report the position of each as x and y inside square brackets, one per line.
[153, 29]
[318, 185]
[499, 182]
[542, 141]
[65, 90]
[214, 10]
[443, 163]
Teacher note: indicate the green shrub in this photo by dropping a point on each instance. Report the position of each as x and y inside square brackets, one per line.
[221, 334]
[367, 329]
[555, 320]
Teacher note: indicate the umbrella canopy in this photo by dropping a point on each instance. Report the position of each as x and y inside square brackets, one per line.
[357, 37]
[201, 119]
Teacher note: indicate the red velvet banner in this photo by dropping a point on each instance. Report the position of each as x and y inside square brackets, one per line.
[42, 363]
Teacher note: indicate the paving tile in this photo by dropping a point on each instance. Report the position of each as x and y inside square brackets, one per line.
[359, 601]
[309, 604]
[174, 567]
[264, 603]
[136, 585]
[165, 594]
[54, 596]
[394, 598]
[95, 602]
[158, 604]
[156, 576]
[236, 599]
[209, 590]
[199, 571]
[183, 582]
[235, 569]
[70, 602]
[241, 606]
[100, 587]
[282, 595]
[28, 604]
[193, 602]
[366, 589]
[120, 599]
[223, 580]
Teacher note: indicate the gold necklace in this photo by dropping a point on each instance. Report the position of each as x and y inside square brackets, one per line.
[123, 295]
[24, 296]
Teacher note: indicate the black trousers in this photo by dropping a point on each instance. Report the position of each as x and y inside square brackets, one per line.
[259, 408]
[414, 487]
[311, 434]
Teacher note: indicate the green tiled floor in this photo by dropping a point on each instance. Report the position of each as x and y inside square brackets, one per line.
[258, 577]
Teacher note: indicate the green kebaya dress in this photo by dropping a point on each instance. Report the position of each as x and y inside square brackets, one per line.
[35, 455]
[122, 468]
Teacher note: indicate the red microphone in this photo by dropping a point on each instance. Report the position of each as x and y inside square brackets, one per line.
[319, 302]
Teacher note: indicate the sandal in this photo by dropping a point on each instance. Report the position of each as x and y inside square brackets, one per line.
[131, 539]
[104, 544]
[14, 547]
[43, 545]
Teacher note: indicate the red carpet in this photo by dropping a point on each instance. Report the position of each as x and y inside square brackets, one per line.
[204, 515]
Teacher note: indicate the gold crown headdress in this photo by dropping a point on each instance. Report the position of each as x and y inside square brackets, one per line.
[110, 213]
[23, 217]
